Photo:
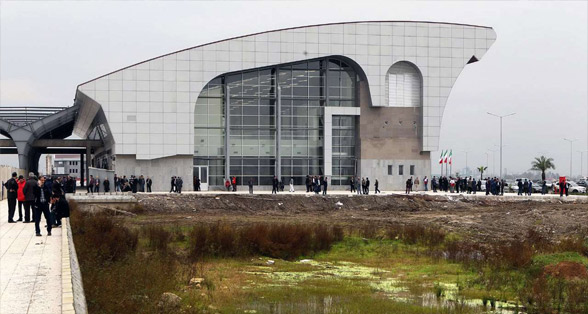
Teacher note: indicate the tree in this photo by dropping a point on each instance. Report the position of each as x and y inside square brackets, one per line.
[542, 164]
[482, 169]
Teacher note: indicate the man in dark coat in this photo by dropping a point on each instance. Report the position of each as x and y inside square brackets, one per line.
[59, 209]
[275, 184]
[149, 182]
[12, 191]
[106, 184]
[325, 185]
[42, 199]
[29, 194]
[173, 185]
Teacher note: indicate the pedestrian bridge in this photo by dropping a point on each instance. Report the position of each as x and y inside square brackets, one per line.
[32, 131]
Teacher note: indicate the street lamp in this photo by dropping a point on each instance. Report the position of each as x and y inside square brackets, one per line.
[499, 116]
[571, 152]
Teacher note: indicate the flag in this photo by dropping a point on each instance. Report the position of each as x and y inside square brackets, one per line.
[441, 157]
[446, 156]
[450, 154]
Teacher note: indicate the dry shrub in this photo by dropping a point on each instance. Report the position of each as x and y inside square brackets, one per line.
[286, 241]
[416, 234]
[549, 294]
[99, 238]
[158, 238]
[573, 244]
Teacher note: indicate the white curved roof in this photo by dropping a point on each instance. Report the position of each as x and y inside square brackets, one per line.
[150, 105]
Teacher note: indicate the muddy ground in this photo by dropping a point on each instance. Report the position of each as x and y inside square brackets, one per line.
[482, 219]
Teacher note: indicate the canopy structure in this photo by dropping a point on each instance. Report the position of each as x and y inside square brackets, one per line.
[32, 131]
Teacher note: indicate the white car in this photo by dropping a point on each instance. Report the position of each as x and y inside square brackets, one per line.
[575, 188]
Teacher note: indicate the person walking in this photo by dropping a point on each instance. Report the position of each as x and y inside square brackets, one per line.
[42, 198]
[228, 184]
[308, 183]
[234, 183]
[416, 184]
[106, 184]
[408, 185]
[358, 185]
[141, 183]
[149, 183]
[97, 185]
[325, 184]
[172, 184]
[275, 184]
[20, 196]
[116, 183]
[367, 185]
[12, 193]
[179, 184]
[376, 187]
[544, 188]
[352, 185]
[29, 193]
[520, 186]
[426, 183]
[250, 183]
[434, 184]
[291, 184]
[90, 184]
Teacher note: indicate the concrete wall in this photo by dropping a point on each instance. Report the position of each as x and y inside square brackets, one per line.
[391, 136]
[102, 174]
[378, 169]
[159, 170]
[6, 172]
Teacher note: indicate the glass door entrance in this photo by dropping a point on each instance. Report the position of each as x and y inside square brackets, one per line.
[201, 178]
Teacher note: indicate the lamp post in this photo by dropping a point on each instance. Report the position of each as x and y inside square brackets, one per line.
[571, 152]
[501, 116]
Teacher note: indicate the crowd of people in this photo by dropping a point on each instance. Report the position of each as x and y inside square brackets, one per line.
[38, 196]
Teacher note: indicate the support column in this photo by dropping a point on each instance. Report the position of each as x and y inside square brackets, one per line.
[279, 133]
[88, 161]
[82, 170]
[227, 132]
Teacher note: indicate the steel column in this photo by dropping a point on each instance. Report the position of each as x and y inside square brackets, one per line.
[278, 133]
[227, 132]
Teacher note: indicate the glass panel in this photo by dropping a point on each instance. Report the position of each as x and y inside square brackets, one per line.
[204, 175]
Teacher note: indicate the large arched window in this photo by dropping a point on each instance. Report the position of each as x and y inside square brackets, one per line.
[405, 85]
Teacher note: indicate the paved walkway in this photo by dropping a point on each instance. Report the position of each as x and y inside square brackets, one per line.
[30, 267]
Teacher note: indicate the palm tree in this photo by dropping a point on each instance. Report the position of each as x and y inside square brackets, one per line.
[542, 164]
[482, 169]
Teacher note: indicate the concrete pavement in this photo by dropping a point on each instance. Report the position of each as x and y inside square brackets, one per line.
[30, 267]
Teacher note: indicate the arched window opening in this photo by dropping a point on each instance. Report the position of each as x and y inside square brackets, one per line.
[405, 85]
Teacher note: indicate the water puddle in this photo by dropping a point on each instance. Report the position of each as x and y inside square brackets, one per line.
[380, 281]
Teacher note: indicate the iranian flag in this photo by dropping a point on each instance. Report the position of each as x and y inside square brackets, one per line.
[441, 158]
[450, 154]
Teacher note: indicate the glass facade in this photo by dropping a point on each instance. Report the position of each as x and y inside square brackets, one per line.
[300, 90]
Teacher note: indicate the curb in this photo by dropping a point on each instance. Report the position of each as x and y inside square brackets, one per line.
[73, 299]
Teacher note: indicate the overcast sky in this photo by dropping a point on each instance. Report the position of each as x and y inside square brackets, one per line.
[538, 66]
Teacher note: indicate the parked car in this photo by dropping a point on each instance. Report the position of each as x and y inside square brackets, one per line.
[574, 187]
[583, 182]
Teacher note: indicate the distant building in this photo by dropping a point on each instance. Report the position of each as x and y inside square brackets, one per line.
[336, 100]
[66, 165]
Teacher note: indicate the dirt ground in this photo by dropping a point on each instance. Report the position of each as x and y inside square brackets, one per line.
[482, 219]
